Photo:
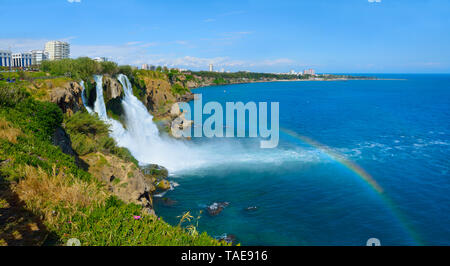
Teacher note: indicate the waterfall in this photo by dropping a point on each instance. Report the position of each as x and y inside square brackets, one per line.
[118, 132]
[99, 105]
[141, 137]
[83, 98]
[146, 145]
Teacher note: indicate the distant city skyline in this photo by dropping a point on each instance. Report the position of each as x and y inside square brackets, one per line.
[354, 36]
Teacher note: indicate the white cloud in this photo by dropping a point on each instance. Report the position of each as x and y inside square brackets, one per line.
[22, 45]
[133, 43]
[137, 53]
[74, 1]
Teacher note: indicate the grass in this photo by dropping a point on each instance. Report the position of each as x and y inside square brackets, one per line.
[46, 193]
[8, 132]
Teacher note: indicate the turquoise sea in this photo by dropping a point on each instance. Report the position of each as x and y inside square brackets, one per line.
[396, 131]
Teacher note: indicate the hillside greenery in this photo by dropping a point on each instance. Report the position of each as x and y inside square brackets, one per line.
[47, 199]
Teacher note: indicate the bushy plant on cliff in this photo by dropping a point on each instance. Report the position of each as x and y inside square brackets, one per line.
[10, 95]
[126, 70]
[37, 122]
[220, 80]
[89, 134]
[178, 89]
[109, 67]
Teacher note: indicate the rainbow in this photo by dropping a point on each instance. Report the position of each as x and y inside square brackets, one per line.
[362, 174]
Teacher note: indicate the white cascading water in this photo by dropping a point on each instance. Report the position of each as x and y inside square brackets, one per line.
[83, 98]
[141, 137]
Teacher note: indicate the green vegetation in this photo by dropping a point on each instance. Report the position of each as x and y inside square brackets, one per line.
[37, 122]
[82, 68]
[219, 76]
[89, 134]
[47, 199]
[177, 89]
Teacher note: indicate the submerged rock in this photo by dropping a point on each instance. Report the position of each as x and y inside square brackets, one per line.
[167, 201]
[216, 208]
[229, 238]
[251, 208]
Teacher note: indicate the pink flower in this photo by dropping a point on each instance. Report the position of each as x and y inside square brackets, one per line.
[137, 217]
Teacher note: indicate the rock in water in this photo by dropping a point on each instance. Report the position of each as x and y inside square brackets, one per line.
[216, 208]
[156, 171]
[163, 185]
[251, 208]
[229, 238]
[168, 202]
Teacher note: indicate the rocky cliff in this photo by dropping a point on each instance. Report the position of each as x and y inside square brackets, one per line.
[159, 92]
[123, 179]
[64, 92]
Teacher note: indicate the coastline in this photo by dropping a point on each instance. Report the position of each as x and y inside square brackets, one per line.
[295, 80]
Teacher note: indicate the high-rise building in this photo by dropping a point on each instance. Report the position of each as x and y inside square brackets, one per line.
[145, 67]
[211, 68]
[37, 56]
[5, 58]
[21, 59]
[57, 50]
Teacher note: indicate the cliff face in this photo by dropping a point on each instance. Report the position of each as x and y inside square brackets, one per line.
[112, 87]
[123, 179]
[64, 92]
[157, 94]
[68, 97]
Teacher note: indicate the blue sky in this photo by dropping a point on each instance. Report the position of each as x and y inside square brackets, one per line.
[354, 36]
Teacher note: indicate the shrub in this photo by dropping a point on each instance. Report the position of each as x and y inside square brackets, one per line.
[177, 89]
[86, 124]
[81, 68]
[89, 134]
[10, 95]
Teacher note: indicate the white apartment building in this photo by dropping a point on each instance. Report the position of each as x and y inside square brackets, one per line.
[211, 68]
[101, 59]
[5, 58]
[37, 56]
[57, 50]
[21, 59]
